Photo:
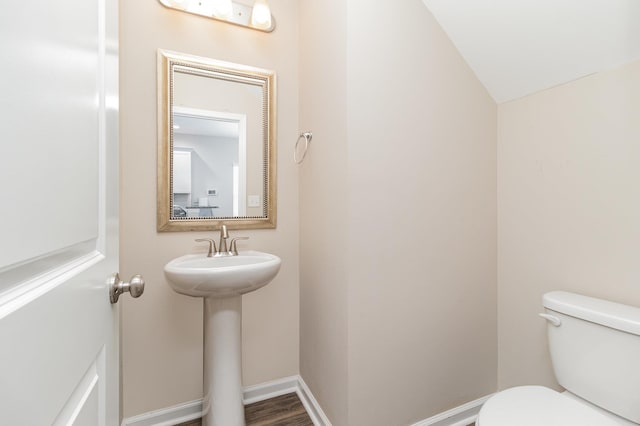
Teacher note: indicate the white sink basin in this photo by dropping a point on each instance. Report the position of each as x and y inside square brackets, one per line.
[201, 276]
[222, 281]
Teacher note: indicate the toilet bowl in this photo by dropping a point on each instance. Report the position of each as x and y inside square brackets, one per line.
[595, 348]
[541, 406]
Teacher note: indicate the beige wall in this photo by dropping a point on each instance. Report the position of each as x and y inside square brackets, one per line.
[324, 262]
[422, 214]
[568, 210]
[162, 331]
[400, 186]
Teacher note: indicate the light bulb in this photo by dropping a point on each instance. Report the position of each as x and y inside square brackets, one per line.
[261, 15]
[180, 4]
[222, 9]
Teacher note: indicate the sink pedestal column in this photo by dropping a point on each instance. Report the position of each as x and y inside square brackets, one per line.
[222, 405]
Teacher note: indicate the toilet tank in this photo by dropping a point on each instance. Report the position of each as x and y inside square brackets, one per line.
[595, 350]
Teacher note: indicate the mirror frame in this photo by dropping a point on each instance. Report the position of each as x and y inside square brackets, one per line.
[167, 63]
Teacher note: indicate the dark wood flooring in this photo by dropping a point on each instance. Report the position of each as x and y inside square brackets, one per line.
[285, 410]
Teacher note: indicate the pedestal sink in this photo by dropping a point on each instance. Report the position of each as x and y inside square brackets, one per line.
[222, 281]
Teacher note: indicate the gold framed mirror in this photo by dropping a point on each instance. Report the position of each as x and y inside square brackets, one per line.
[216, 144]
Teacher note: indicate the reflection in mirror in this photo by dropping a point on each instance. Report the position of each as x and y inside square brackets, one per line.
[210, 164]
[216, 145]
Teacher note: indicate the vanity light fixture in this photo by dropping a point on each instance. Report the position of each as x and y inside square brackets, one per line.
[261, 15]
[179, 4]
[222, 9]
[257, 17]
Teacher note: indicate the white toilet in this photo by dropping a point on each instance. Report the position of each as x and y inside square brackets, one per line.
[595, 351]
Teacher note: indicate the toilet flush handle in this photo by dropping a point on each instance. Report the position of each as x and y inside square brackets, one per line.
[552, 319]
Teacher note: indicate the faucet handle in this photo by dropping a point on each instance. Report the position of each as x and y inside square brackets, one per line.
[233, 248]
[212, 245]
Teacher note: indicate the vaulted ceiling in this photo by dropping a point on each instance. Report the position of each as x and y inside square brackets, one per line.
[518, 47]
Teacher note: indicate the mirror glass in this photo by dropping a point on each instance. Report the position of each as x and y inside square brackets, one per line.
[216, 145]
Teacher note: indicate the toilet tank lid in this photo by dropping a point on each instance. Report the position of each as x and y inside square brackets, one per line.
[610, 314]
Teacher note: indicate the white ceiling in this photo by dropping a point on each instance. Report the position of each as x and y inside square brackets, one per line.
[518, 47]
[205, 126]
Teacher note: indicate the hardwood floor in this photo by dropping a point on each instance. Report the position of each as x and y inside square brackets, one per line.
[285, 410]
[282, 410]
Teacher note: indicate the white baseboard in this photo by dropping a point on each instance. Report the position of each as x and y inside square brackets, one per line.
[193, 410]
[311, 405]
[463, 415]
[271, 389]
[170, 416]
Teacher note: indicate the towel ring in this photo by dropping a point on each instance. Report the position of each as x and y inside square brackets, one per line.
[307, 138]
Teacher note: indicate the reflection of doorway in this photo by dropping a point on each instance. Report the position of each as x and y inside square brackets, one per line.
[218, 175]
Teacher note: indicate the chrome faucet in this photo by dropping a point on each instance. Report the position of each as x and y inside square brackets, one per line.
[222, 249]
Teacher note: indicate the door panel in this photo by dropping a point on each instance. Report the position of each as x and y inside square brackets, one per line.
[49, 85]
[59, 339]
[84, 405]
[53, 344]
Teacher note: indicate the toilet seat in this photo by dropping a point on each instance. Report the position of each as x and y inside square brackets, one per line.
[538, 406]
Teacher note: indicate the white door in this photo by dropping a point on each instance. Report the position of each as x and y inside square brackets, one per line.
[58, 212]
